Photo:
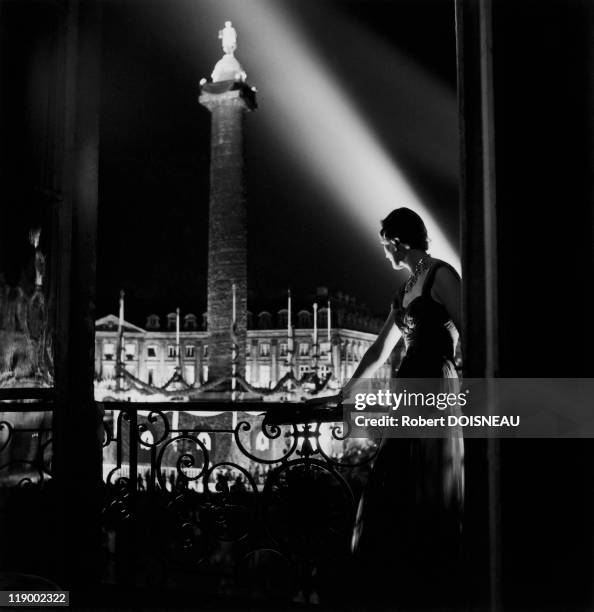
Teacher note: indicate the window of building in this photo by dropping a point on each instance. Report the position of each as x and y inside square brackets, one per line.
[150, 376]
[264, 320]
[282, 318]
[205, 350]
[303, 349]
[190, 322]
[323, 371]
[108, 351]
[264, 349]
[189, 374]
[304, 318]
[171, 321]
[190, 351]
[172, 351]
[130, 352]
[151, 352]
[153, 322]
[283, 349]
[324, 349]
[304, 369]
[265, 376]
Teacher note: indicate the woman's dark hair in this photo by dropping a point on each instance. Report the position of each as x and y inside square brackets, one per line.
[405, 225]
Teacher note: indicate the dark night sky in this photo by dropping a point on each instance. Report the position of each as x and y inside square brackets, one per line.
[155, 149]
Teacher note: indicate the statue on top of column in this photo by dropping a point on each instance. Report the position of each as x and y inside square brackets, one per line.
[228, 68]
[228, 35]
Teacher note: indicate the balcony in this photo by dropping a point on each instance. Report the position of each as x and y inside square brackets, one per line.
[206, 499]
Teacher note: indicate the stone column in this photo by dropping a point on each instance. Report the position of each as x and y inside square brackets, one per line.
[227, 97]
[227, 239]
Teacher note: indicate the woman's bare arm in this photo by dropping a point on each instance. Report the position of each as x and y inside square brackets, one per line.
[377, 354]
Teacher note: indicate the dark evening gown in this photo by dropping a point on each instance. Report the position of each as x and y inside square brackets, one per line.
[407, 534]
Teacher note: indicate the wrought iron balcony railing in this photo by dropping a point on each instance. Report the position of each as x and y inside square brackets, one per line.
[242, 500]
[231, 500]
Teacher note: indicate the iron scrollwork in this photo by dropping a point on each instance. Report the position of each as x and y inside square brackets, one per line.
[226, 489]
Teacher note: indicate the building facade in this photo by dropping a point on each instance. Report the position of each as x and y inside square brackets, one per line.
[154, 352]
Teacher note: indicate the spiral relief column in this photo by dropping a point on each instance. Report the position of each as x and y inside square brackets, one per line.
[227, 97]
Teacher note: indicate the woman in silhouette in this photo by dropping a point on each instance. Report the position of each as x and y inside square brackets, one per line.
[407, 533]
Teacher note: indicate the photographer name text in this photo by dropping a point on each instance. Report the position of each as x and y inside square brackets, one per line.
[361, 420]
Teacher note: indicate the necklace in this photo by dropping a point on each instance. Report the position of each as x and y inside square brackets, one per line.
[419, 269]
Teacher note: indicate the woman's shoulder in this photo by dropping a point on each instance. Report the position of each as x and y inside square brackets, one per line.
[440, 273]
[442, 268]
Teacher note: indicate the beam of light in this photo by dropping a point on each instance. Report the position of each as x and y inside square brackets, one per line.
[422, 112]
[310, 110]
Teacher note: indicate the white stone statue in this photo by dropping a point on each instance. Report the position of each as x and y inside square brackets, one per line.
[229, 37]
[228, 68]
